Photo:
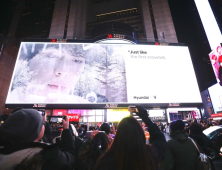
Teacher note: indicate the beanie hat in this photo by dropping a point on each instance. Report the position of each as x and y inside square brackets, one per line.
[105, 127]
[22, 126]
[177, 125]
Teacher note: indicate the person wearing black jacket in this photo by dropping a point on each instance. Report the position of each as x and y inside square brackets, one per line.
[129, 150]
[196, 133]
[23, 130]
[181, 154]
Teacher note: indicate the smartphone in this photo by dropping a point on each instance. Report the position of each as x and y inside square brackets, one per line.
[133, 109]
[42, 112]
[55, 119]
[64, 117]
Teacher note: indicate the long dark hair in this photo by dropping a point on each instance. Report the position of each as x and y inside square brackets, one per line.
[97, 147]
[129, 147]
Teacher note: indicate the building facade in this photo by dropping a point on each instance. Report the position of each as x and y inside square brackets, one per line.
[151, 19]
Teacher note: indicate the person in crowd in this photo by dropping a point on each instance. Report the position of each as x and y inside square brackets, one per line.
[106, 127]
[181, 153]
[220, 122]
[210, 122]
[92, 149]
[47, 133]
[205, 125]
[196, 133]
[129, 150]
[75, 133]
[79, 128]
[112, 131]
[167, 128]
[221, 152]
[84, 129]
[24, 129]
[187, 128]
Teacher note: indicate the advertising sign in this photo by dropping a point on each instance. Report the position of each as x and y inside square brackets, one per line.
[209, 22]
[216, 97]
[87, 74]
[158, 115]
[216, 61]
[217, 115]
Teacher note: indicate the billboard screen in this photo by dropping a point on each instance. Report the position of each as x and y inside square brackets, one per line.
[89, 74]
[216, 97]
[216, 61]
[209, 22]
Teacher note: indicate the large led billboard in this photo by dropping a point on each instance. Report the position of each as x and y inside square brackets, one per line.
[216, 61]
[216, 97]
[209, 22]
[87, 75]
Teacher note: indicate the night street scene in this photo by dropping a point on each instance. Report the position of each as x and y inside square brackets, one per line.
[111, 84]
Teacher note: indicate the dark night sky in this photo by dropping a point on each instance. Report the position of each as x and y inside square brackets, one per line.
[190, 31]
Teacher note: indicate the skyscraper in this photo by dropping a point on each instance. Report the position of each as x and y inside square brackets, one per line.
[75, 19]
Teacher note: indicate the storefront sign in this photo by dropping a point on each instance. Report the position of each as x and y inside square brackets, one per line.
[216, 115]
[119, 110]
[39, 105]
[59, 112]
[174, 104]
[73, 117]
[111, 105]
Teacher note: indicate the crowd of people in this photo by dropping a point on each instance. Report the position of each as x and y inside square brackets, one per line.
[26, 144]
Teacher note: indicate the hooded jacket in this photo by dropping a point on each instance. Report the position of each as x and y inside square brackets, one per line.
[181, 153]
[54, 157]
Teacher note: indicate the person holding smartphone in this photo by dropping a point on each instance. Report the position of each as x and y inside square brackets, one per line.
[129, 150]
[24, 150]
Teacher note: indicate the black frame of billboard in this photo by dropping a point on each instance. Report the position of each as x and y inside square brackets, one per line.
[96, 40]
[100, 105]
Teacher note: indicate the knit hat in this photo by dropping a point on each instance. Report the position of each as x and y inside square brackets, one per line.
[22, 126]
[177, 125]
[105, 127]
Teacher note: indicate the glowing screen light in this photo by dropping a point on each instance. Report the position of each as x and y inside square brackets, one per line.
[209, 23]
[216, 97]
[116, 115]
[84, 73]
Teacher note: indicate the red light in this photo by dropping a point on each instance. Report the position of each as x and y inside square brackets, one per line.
[53, 40]
[110, 36]
[156, 43]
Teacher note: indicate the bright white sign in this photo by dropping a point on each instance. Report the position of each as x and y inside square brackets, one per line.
[216, 97]
[209, 22]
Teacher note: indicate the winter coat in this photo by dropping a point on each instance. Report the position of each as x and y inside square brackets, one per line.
[90, 162]
[181, 153]
[156, 150]
[203, 141]
[56, 157]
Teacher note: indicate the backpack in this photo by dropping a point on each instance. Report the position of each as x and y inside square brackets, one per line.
[203, 161]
